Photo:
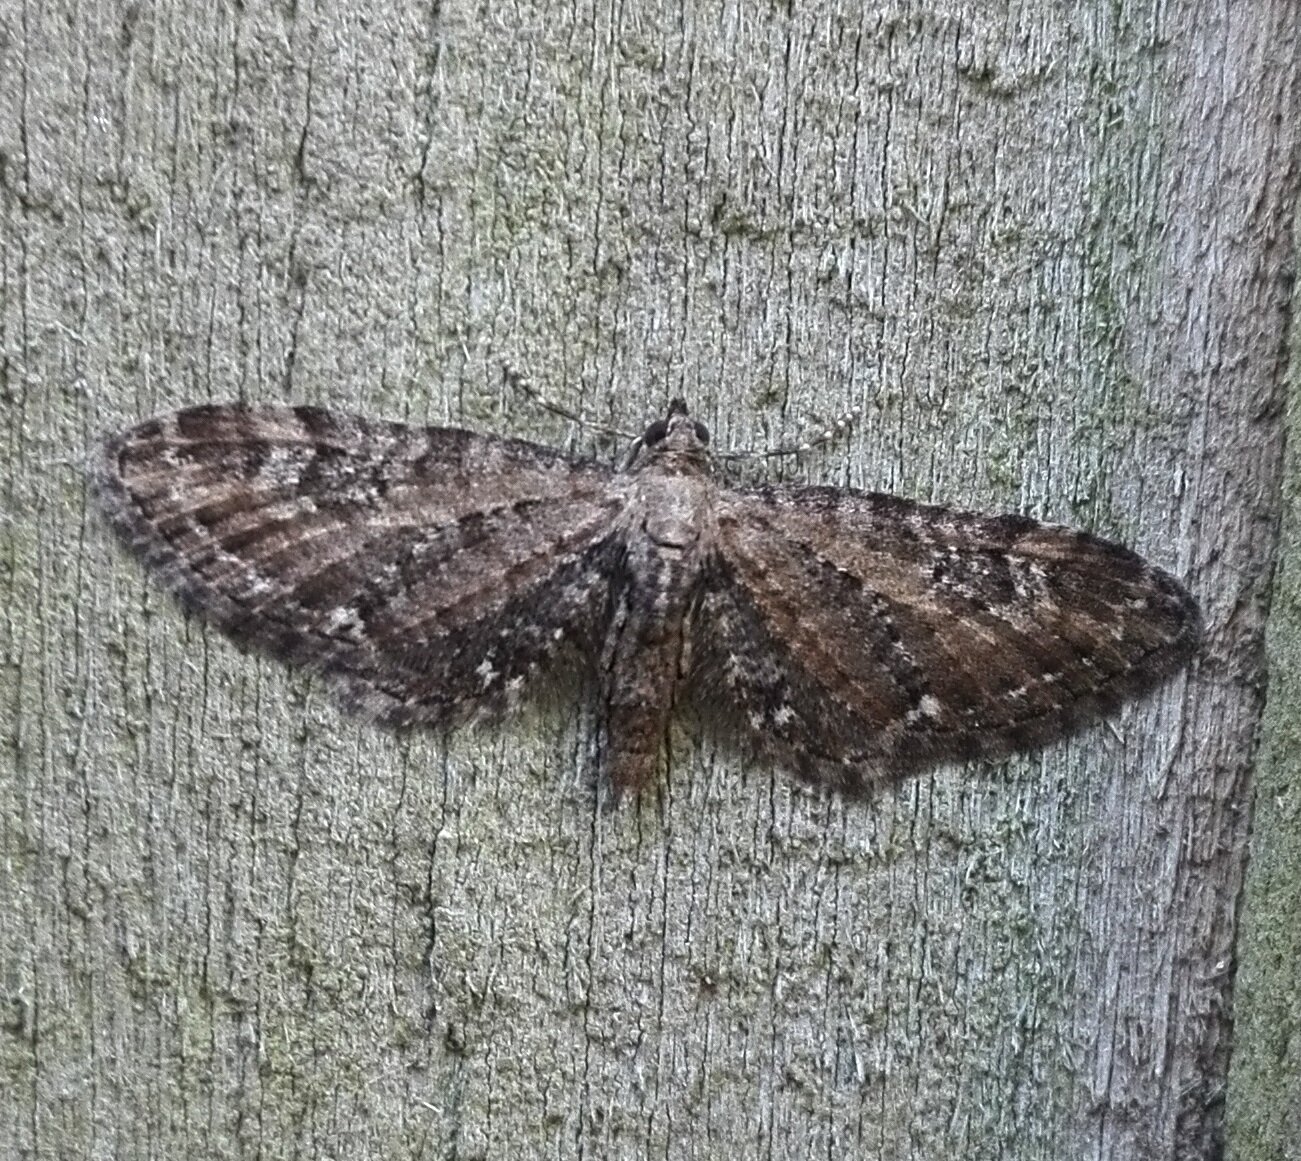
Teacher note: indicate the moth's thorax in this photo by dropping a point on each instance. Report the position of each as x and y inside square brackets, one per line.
[673, 507]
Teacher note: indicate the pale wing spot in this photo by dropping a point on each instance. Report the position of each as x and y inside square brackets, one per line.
[344, 620]
[927, 708]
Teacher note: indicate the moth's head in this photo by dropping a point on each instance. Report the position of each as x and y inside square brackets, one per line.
[675, 437]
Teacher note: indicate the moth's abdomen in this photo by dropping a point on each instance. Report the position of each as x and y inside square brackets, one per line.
[641, 663]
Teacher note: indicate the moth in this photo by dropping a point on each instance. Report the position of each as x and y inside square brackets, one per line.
[436, 576]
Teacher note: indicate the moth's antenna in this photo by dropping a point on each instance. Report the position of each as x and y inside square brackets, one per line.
[835, 431]
[521, 383]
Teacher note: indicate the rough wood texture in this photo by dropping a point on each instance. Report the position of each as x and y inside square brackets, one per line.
[1264, 1110]
[1040, 252]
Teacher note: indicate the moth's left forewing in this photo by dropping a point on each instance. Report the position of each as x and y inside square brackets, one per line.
[942, 634]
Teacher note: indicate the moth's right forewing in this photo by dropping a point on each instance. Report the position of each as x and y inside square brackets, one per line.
[431, 571]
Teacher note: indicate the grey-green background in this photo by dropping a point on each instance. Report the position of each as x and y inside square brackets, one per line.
[1040, 252]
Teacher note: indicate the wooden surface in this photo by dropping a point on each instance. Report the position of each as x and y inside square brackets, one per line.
[1041, 253]
[1264, 1097]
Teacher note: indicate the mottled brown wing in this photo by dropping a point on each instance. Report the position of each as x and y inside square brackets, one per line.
[853, 636]
[429, 571]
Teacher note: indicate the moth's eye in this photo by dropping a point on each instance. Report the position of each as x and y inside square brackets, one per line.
[656, 432]
[702, 433]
